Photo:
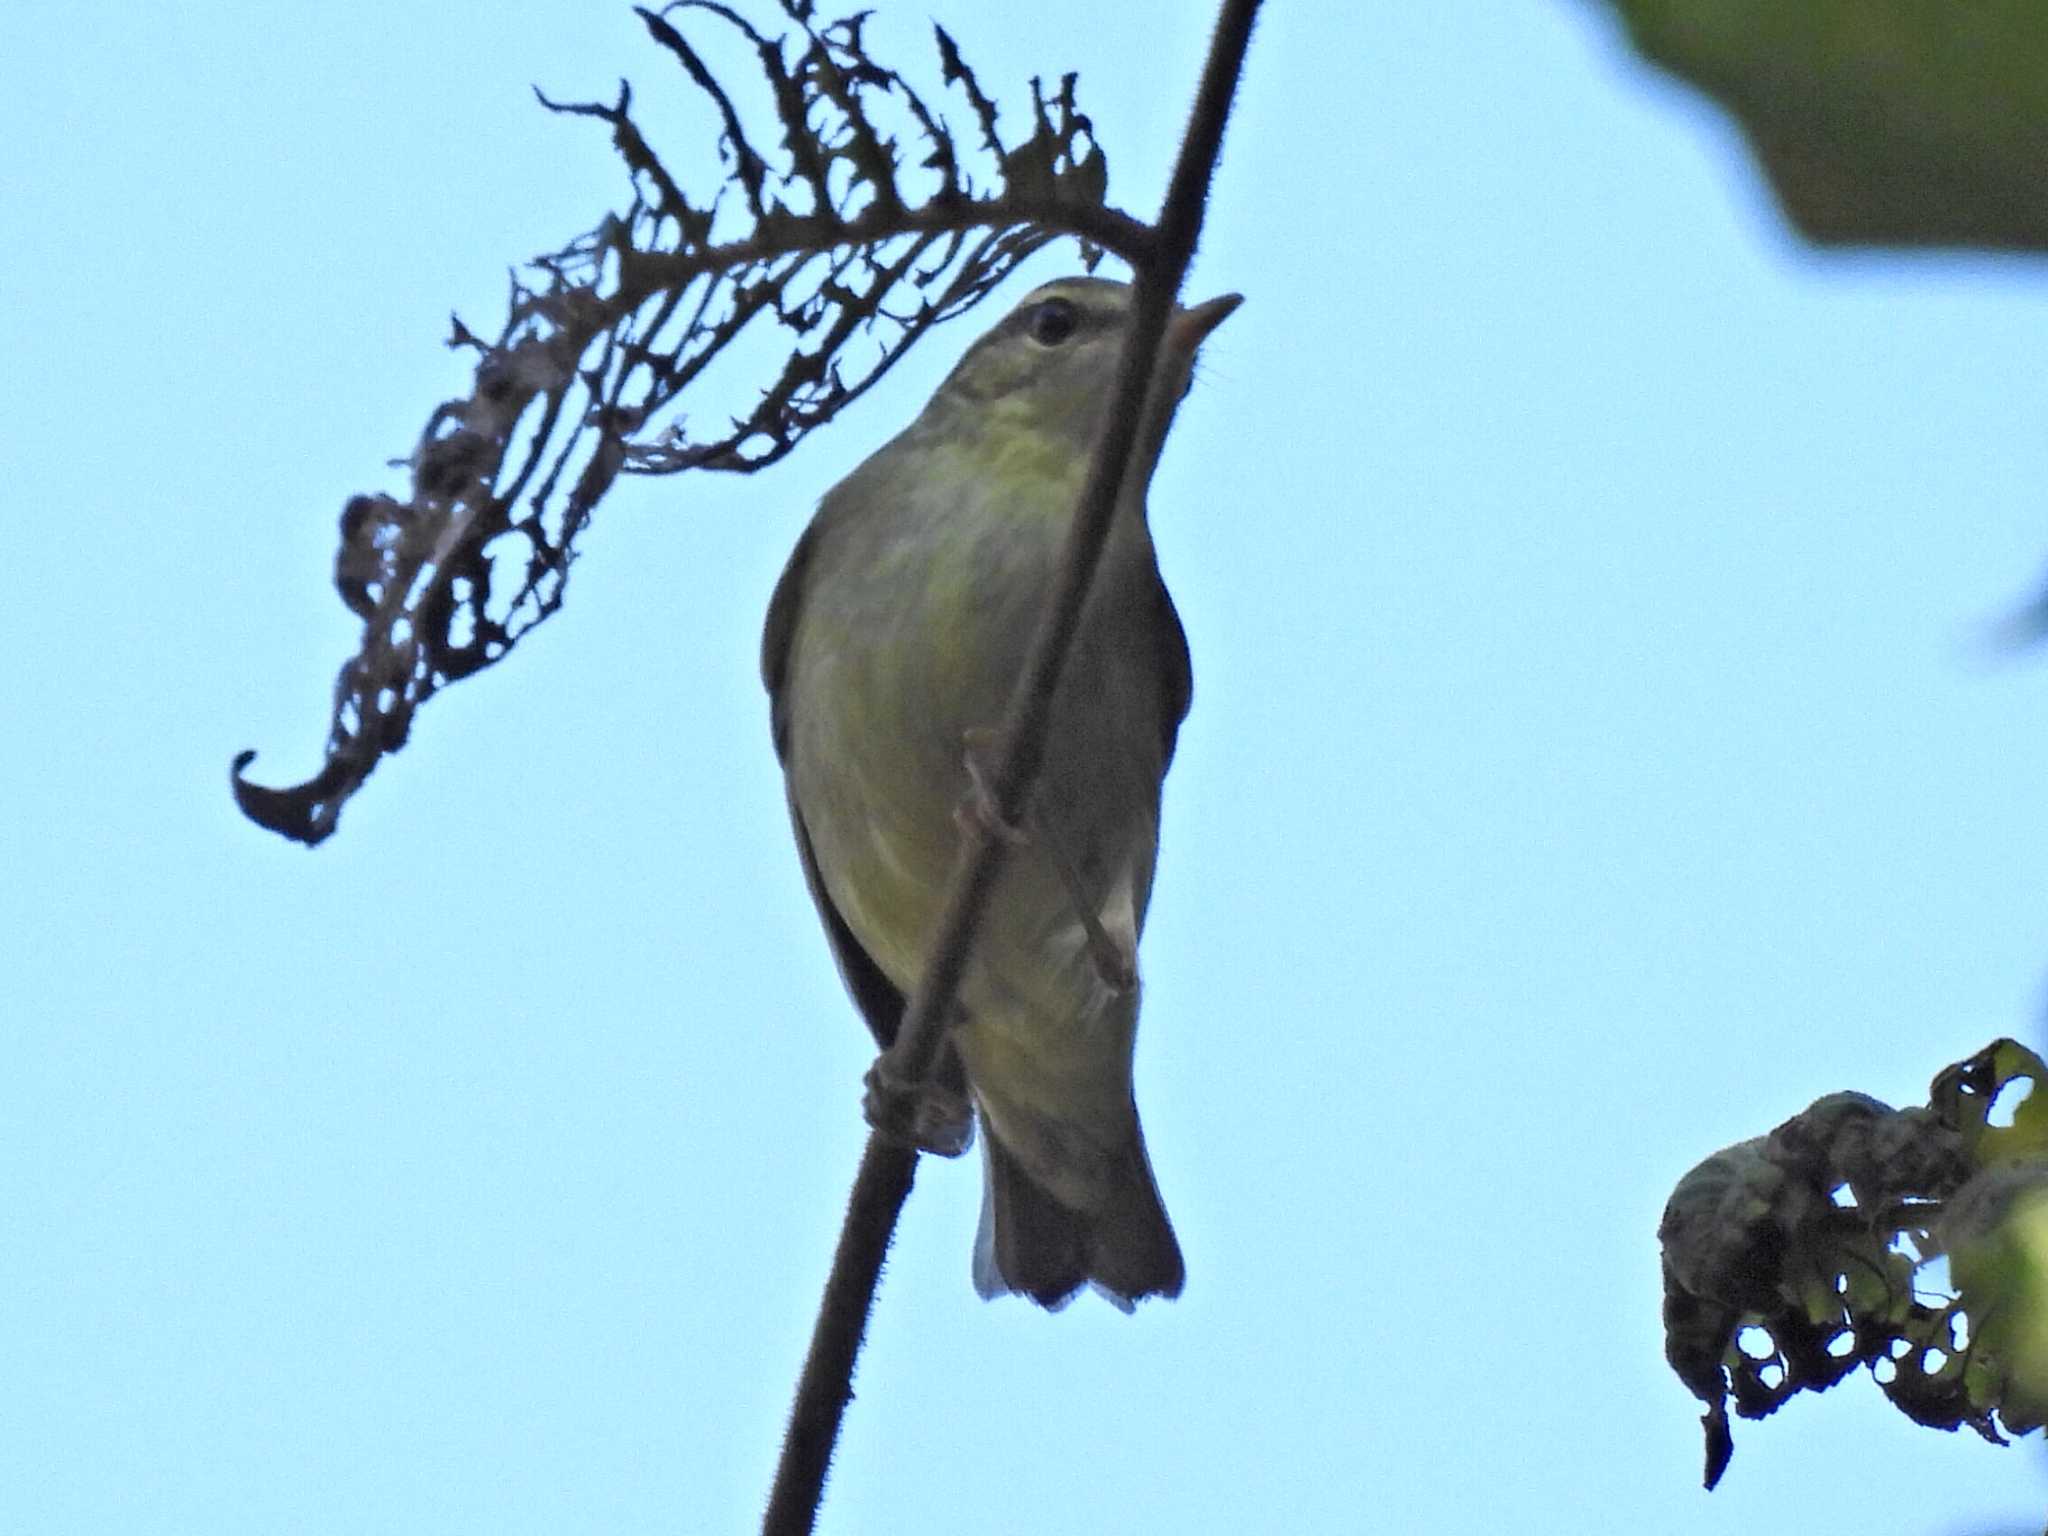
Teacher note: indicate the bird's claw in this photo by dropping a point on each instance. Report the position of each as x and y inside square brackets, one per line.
[1116, 963]
[977, 812]
[926, 1115]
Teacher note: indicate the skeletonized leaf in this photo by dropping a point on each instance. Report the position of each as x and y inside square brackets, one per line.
[1793, 1259]
[852, 222]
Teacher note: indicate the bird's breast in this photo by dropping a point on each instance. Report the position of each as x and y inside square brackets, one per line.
[914, 634]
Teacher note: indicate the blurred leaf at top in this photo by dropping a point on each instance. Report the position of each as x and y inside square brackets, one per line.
[1878, 122]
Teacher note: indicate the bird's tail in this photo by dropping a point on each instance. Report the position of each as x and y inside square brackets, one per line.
[1032, 1244]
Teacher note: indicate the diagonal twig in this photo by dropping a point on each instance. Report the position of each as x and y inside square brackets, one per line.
[887, 1168]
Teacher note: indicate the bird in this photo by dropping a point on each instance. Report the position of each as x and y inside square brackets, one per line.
[893, 641]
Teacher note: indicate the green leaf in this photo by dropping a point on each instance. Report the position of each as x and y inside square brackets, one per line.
[1878, 122]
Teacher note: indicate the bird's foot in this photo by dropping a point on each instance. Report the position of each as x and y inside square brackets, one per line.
[977, 812]
[1116, 961]
[1115, 955]
[928, 1116]
[1113, 945]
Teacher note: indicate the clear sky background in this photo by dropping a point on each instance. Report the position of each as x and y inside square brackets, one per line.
[1596, 756]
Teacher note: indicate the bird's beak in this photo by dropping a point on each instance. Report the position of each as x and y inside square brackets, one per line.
[1189, 327]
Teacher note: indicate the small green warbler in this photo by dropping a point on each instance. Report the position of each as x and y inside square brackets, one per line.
[894, 639]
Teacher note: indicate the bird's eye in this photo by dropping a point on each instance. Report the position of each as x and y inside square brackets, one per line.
[1053, 322]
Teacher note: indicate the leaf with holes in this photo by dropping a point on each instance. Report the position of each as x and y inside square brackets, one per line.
[869, 224]
[1794, 1258]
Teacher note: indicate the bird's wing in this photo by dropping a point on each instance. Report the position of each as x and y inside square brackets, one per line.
[1176, 668]
[879, 1001]
[778, 632]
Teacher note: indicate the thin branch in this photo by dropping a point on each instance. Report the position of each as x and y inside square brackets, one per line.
[909, 1058]
[826, 1386]
[885, 1172]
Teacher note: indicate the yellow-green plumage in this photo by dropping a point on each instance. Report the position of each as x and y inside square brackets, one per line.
[897, 632]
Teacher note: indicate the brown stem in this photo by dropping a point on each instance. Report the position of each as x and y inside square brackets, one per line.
[826, 1386]
[646, 273]
[885, 1171]
[910, 1056]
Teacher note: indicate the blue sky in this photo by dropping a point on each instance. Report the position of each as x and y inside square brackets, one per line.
[1596, 756]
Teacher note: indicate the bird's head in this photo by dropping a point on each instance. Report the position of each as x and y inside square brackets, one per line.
[1049, 366]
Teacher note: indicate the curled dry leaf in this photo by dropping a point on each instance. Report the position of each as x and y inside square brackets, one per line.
[866, 224]
[1792, 1259]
